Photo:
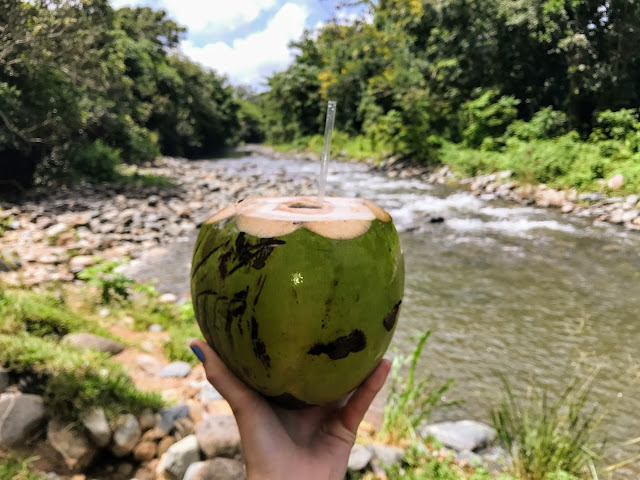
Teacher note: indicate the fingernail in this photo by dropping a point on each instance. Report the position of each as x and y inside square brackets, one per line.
[198, 353]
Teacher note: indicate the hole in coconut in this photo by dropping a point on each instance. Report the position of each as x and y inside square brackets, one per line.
[303, 205]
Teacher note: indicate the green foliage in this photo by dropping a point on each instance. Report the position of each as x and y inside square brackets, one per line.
[96, 160]
[545, 124]
[548, 438]
[114, 286]
[620, 125]
[179, 322]
[41, 314]
[421, 465]
[487, 117]
[74, 380]
[15, 468]
[410, 402]
[84, 87]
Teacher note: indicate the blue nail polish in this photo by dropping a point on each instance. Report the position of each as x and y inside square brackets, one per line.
[198, 353]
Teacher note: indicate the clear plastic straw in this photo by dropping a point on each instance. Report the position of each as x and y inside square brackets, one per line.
[326, 149]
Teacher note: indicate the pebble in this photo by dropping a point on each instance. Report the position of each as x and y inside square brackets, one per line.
[168, 416]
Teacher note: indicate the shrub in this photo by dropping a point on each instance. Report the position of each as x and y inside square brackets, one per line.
[616, 125]
[545, 124]
[487, 116]
[96, 160]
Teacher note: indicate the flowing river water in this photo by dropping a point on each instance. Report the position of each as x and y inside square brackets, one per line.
[520, 293]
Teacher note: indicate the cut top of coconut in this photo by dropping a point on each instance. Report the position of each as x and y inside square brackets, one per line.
[336, 217]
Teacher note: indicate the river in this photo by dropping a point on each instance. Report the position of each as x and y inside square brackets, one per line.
[523, 293]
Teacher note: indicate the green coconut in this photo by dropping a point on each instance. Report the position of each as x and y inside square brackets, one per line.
[299, 299]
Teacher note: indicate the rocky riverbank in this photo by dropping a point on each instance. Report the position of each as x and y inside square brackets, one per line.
[53, 235]
[617, 210]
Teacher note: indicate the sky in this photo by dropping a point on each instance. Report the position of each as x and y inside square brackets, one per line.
[246, 40]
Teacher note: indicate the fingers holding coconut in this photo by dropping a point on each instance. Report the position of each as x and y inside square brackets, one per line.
[235, 392]
[356, 408]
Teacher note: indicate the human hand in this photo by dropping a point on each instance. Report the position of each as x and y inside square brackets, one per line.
[310, 443]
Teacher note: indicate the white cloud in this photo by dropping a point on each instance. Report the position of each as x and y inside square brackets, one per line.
[248, 60]
[208, 15]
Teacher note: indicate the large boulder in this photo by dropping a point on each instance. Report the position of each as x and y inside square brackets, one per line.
[20, 417]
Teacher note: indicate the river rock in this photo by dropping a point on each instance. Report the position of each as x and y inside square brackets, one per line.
[147, 420]
[56, 230]
[145, 451]
[168, 416]
[218, 436]
[125, 435]
[461, 435]
[148, 364]
[175, 370]
[184, 427]
[208, 393]
[98, 427]
[176, 460]
[168, 298]
[20, 417]
[80, 262]
[359, 458]
[216, 469]
[9, 261]
[71, 443]
[93, 342]
[165, 444]
[616, 182]
[469, 457]
[386, 454]
[591, 197]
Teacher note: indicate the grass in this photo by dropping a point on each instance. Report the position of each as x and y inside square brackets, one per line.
[178, 321]
[360, 147]
[130, 175]
[409, 402]
[42, 314]
[548, 438]
[563, 162]
[14, 468]
[70, 379]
